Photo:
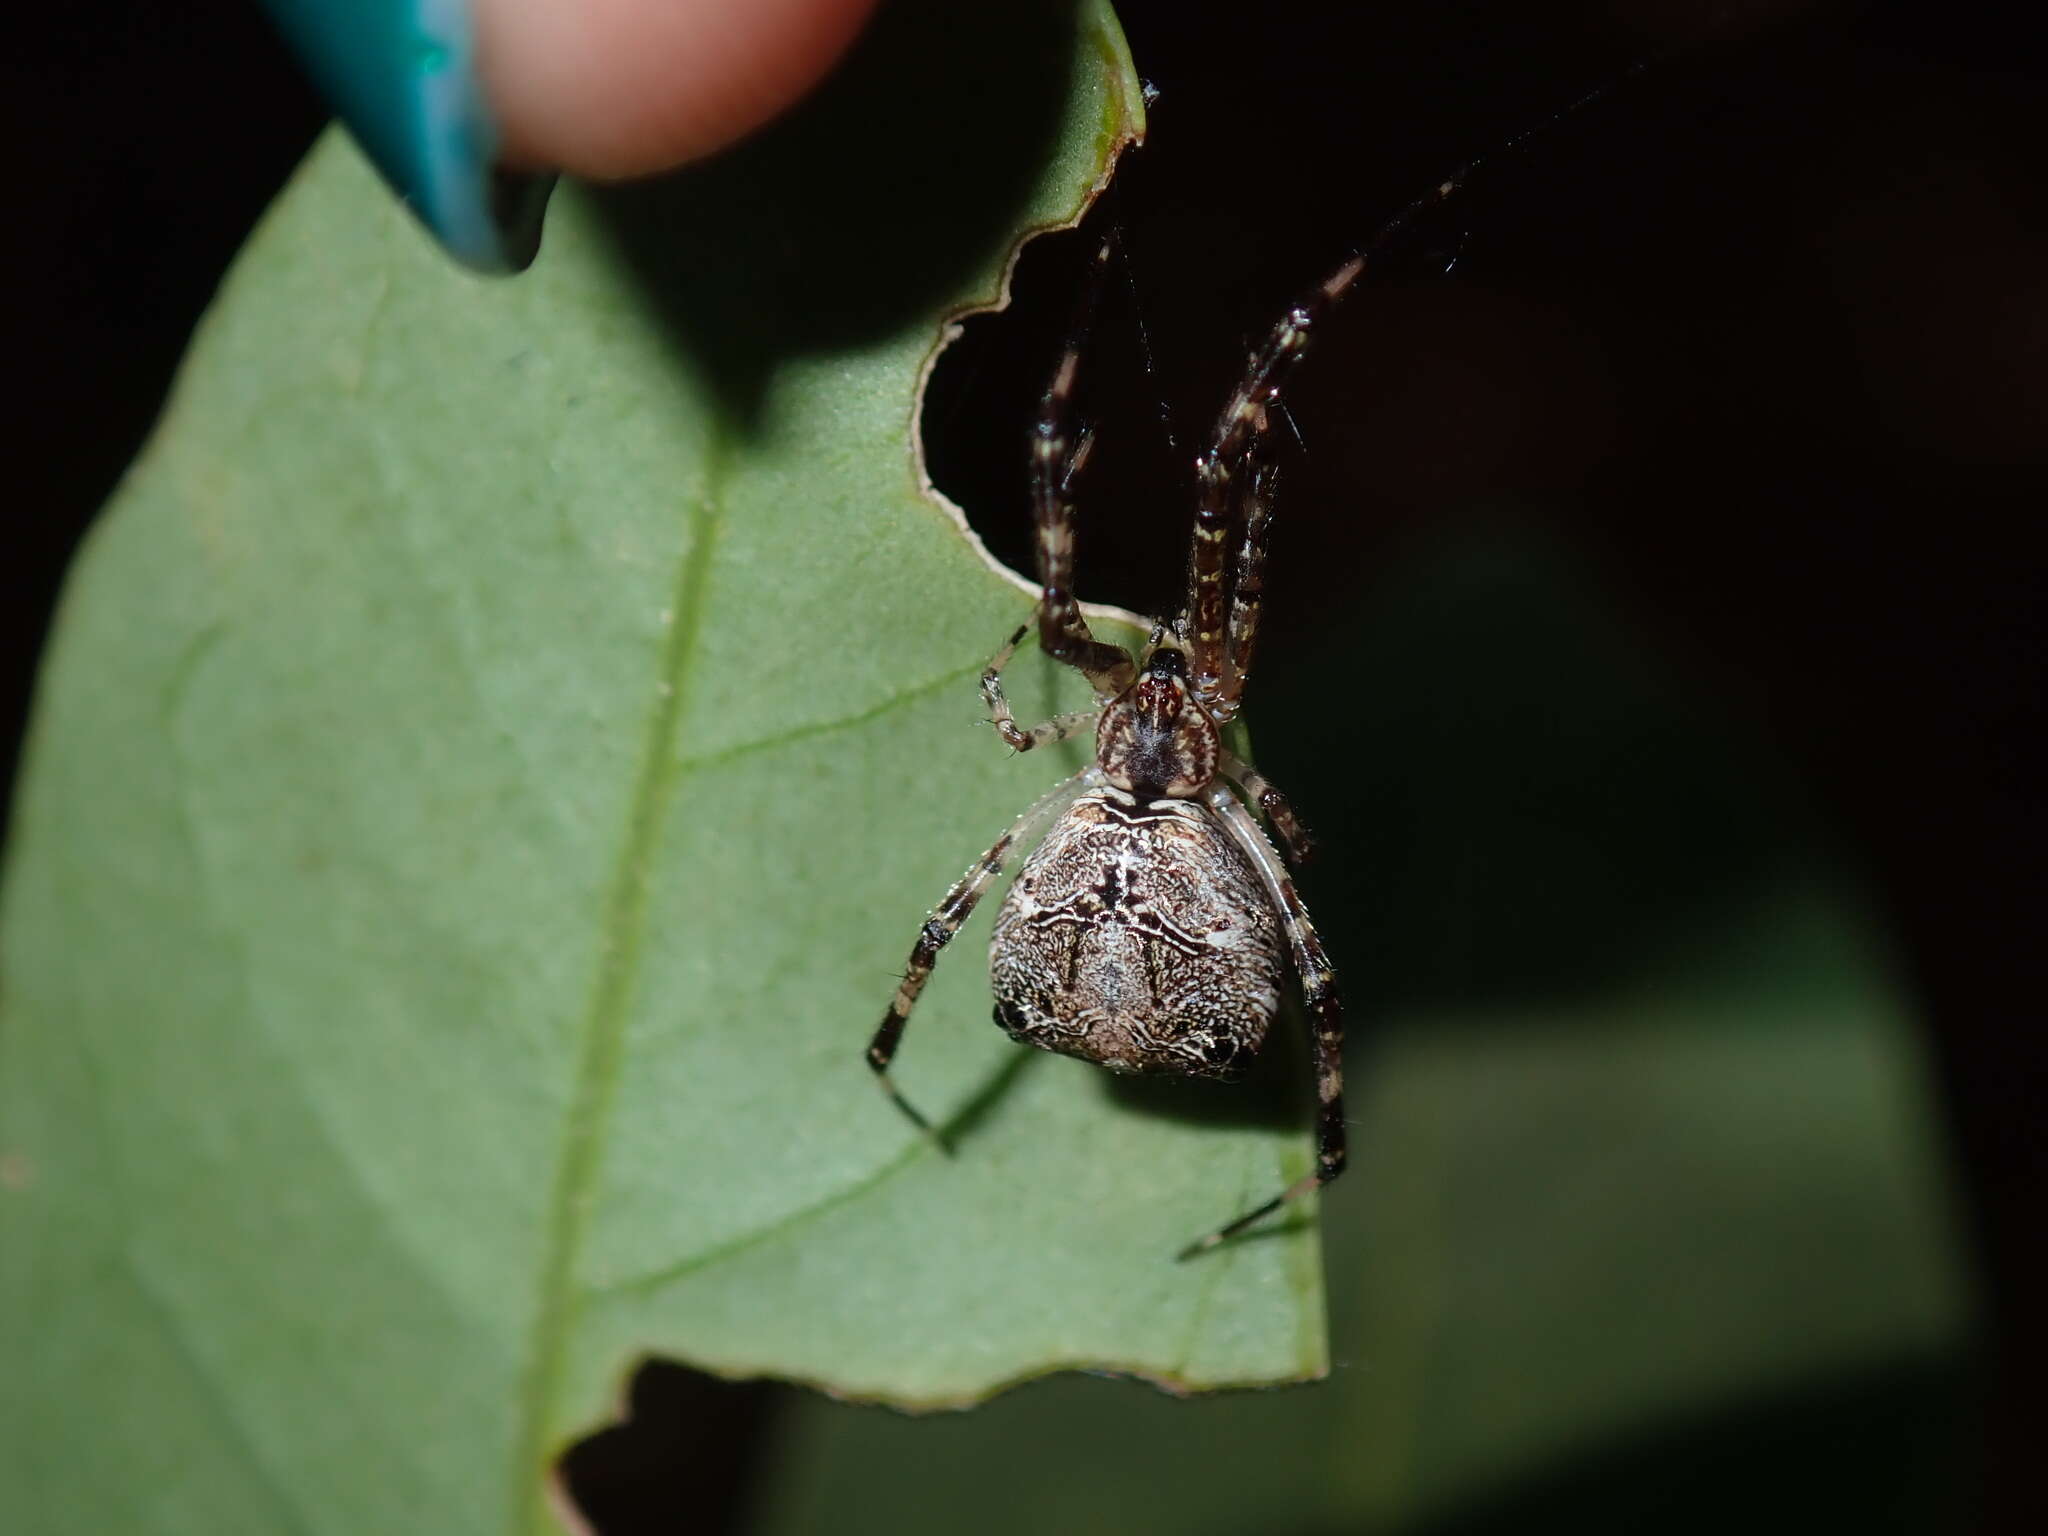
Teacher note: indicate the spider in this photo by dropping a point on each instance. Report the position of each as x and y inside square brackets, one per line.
[1145, 933]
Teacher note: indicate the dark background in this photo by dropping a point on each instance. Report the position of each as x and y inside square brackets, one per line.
[1762, 335]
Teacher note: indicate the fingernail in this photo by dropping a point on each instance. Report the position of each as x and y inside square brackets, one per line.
[402, 75]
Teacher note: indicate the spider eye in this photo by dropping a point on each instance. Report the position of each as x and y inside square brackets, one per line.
[1167, 662]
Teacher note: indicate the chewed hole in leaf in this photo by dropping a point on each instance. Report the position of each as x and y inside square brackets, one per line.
[684, 1455]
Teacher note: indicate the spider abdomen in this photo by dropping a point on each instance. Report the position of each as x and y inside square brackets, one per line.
[1138, 936]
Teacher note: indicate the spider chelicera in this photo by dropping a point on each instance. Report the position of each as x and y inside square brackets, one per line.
[1145, 933]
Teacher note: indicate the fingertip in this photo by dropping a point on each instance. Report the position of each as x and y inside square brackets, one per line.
[617, 88]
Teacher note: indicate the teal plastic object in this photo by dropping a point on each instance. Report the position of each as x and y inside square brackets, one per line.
[402, 76]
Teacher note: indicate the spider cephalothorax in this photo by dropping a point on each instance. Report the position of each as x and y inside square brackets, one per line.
[1154, 740]
[1145, 932]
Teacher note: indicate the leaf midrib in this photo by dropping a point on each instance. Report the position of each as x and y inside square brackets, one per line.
[601, 1032]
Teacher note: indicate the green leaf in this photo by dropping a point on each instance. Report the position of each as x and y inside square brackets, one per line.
[495, 752]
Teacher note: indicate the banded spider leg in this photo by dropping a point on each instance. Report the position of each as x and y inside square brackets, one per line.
[1235, 483]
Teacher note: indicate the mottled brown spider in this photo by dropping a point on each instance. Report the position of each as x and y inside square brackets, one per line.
[1145, 932]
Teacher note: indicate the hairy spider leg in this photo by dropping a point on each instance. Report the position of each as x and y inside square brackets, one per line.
[947, 919]
[1058, 728]
[1219, 657]
[1233, 445]
[1295, 840]
[1057, 455]
[1248, 585]
[1326, 1015]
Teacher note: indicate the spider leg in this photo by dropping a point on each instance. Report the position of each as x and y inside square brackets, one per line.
[1247, 588]
[1326, 1010]
[1295, 840]
[1239, 430]
[945, 921]
[1058, 728]
[1219, 661]
[1057, 455]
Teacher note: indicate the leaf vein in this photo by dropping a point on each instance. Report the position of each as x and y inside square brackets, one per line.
[815, 728]
[601, 1033]
[219, 1403]
[668, 1274]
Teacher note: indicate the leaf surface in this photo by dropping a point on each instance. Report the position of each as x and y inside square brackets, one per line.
[496, 749]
